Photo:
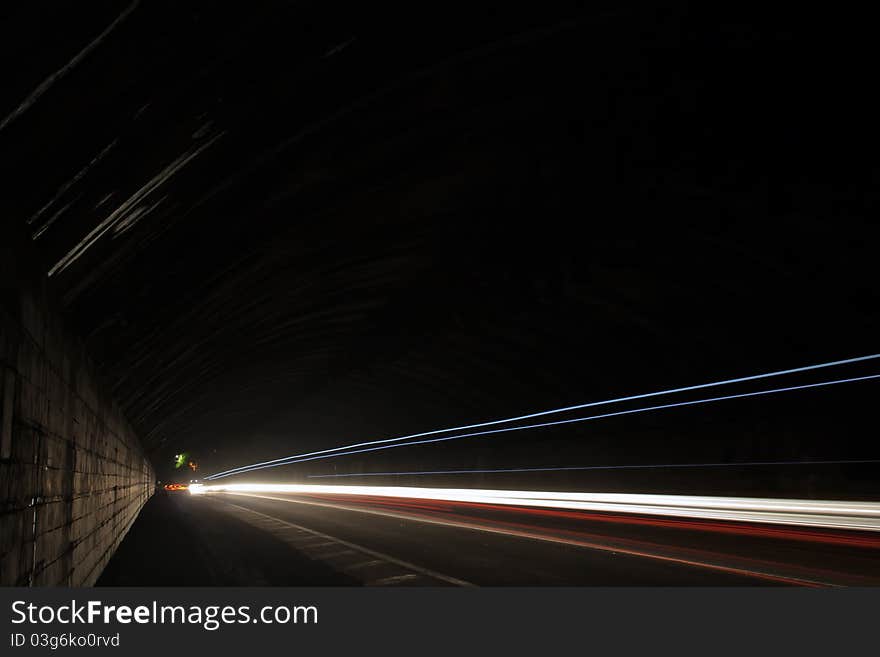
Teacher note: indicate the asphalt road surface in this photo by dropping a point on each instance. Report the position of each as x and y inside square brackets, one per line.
[236, 539]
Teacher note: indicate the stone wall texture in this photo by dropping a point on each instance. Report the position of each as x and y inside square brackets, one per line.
[73, 475]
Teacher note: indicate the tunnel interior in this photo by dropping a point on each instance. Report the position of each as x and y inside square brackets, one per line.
[282, 228]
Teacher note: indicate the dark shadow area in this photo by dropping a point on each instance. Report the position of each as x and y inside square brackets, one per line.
[169, 545]
[290, 227]
[279, 228]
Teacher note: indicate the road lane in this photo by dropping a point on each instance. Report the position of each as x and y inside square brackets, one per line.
[509, 546]
[238, 539]
[485, 558]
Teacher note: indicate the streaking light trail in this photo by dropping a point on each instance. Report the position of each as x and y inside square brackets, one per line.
[324, 454]
[754, 377]
[650, 466]
[850, 515]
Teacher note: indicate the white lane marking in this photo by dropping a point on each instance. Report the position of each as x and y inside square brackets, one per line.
[557, 539]
[394, 579]
[359, 548]
[335, 554]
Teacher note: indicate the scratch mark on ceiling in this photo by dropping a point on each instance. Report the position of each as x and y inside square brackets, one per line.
[134, 201]
[46, 84]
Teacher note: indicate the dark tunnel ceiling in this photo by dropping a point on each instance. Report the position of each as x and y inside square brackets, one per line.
[280, 226]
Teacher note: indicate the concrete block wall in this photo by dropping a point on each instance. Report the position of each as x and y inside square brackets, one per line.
[73, 475]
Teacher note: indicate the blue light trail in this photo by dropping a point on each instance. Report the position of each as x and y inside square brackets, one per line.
[324, 455]
[289, 459]
[597, 467]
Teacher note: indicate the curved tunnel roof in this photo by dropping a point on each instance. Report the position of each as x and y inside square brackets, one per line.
[288, 228]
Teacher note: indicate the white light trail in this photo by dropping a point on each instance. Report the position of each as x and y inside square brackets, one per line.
[828, 514]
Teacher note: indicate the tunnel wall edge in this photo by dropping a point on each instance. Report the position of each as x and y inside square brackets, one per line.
[73, 474]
